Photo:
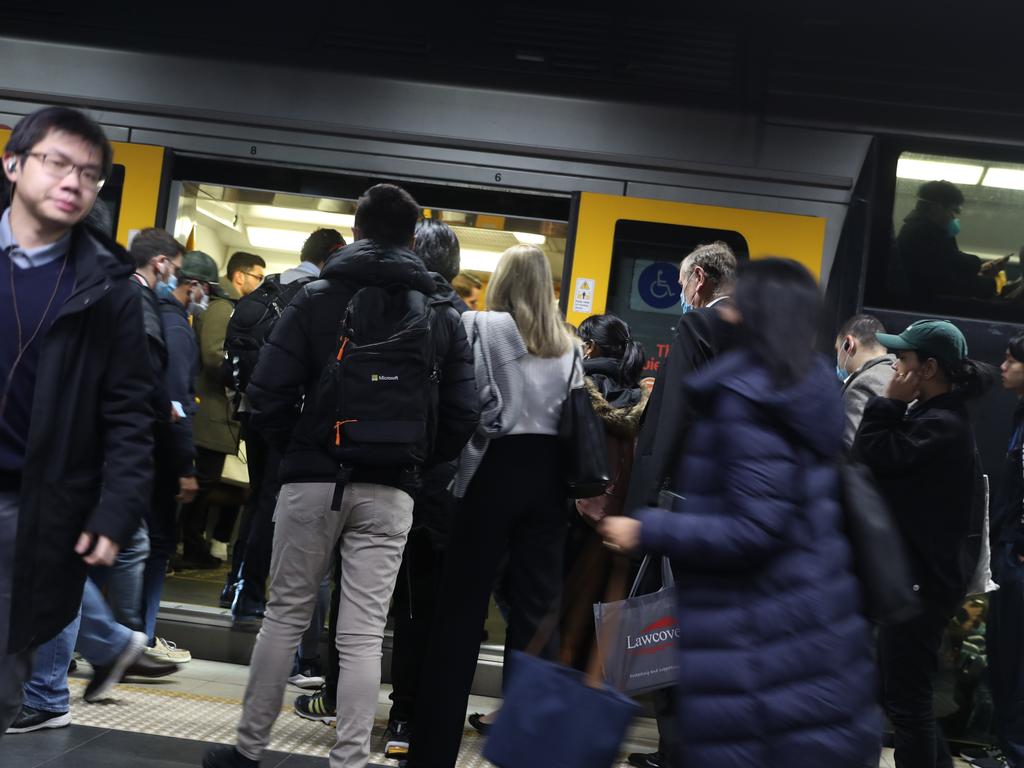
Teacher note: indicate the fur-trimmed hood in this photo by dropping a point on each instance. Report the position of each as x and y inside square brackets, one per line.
[618, 422]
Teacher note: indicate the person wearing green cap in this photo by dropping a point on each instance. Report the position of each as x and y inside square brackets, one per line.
[919, 442]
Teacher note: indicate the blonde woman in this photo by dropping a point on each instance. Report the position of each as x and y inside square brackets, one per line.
[512, 495]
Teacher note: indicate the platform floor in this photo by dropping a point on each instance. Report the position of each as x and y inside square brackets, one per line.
[170, 722]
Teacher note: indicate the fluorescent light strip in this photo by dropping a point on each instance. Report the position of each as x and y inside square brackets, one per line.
[220, 218]
[933, 170]
[301, 216]
[529, 237]
[289, 240]
[1004, 178]
[479, 261]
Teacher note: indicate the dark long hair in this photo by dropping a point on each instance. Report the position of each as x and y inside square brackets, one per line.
[970, 378]
[611, 334]
[781, 308]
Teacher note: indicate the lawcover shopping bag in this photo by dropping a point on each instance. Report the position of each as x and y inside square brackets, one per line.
[641, 654]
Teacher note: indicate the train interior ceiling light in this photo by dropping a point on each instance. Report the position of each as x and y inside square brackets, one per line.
[276, 225]
[922, 168]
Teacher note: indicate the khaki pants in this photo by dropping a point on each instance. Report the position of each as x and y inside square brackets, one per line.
[370, 530]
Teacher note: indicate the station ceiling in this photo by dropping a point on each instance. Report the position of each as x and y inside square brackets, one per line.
[870, 63]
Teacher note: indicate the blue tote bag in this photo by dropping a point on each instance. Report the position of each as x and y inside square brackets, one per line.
[557, 717]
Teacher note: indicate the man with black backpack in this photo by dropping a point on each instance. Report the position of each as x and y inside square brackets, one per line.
[365, 381]
[249, 328]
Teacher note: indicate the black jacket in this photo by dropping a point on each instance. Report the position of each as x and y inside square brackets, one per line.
[182, 370]
[157, 348]
[306, 337]
[1008, 502]
[90, 448]
[925, 461]
[935, 266]
[700, 336]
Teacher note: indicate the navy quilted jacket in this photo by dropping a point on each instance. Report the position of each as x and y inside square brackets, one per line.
[776, 667]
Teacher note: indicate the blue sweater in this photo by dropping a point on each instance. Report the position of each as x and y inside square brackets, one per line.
[33, 289]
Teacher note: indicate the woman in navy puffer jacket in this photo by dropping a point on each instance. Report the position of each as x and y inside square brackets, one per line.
[775, 656]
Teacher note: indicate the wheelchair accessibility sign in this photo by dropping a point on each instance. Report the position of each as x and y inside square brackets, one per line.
[656, 285]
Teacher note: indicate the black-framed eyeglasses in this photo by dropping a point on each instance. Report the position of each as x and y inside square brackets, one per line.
[259, 278]
[60, 167]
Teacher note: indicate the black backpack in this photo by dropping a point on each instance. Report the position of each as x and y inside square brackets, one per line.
[377, 398]
[250, 326]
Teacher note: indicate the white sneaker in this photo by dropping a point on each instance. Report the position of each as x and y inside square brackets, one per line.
[165, 650]
[219, 549]
[307, 680]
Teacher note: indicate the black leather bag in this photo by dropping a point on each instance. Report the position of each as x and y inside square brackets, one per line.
[581, 430]
[879, 558]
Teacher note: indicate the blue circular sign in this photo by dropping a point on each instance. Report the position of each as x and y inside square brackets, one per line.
[658, 285]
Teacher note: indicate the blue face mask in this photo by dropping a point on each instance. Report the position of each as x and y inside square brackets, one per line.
[687, 306]
[163, 290]
[841, 373]
[953, 228]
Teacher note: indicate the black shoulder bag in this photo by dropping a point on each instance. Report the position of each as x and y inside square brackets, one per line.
[586, 455]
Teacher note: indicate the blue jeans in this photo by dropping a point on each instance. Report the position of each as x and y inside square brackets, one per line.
[100, 639]
[124, 580]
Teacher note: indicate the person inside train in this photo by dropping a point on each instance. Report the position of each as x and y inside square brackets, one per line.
[68, 313]
[468, 287]
[707, 276]
[932, 261]
[863, 366]
[1005, 634]
[759, 549]
[919, 441]
[215, 431]
[331, 504]
[245, 589]
[512, 493]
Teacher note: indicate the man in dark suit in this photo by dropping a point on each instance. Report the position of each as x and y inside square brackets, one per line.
[706, 276]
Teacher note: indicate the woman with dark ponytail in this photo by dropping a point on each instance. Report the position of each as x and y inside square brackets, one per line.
[613, 363]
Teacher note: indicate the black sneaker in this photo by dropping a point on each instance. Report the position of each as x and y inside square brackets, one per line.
[227, 595]
[396, 740]
[247, 612]
[29, 720]
[316, 707]
[227, 757]
[647, 759]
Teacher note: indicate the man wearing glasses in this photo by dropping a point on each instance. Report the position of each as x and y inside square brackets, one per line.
[214, 428]
[75, 419]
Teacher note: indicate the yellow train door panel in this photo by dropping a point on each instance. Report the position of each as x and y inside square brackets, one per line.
[627, 251]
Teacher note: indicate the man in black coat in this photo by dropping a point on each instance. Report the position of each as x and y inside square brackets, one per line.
[370, 528]
[75, 420]
[706, 276]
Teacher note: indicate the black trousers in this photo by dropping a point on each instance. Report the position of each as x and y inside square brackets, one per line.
[250, 558]
[1005, 642]
[514, 504]
[209, 468]
[412, 610]
[908, 656]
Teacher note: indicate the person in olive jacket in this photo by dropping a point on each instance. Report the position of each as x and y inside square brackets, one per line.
[214, 428]
[75, 418]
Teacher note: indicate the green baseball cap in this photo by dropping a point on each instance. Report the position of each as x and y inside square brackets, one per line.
[196, 265]
[934, 338]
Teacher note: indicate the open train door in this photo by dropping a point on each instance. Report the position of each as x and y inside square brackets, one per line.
[623, 256]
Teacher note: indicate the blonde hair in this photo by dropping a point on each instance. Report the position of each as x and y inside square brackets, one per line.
[522, 286]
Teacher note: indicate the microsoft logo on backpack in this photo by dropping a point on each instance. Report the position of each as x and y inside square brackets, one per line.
[379, 377]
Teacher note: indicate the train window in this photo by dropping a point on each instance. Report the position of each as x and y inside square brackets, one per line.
[957, 237]
[644, 286]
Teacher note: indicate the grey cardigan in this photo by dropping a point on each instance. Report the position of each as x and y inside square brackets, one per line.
[497, 349]
[870, 380]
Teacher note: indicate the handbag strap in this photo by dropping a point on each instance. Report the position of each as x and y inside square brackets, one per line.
[668, 579]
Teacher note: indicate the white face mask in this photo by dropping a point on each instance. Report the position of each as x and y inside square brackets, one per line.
[198, 300]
